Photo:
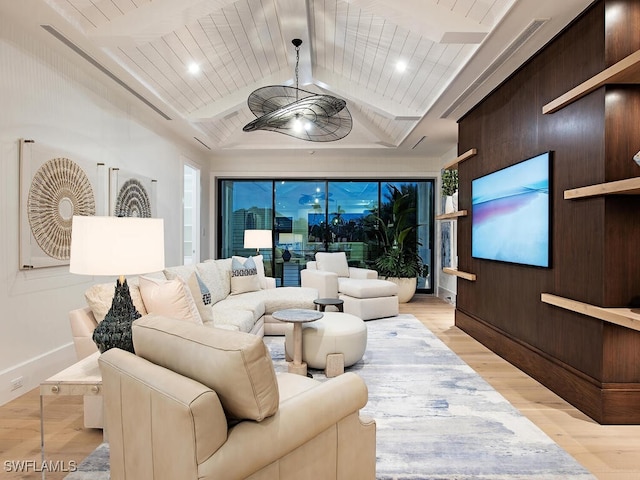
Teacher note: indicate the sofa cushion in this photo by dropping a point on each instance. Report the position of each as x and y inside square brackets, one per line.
[367, 288]
[216, 274]
[247, 301]
[259, 261]
[199, 290]
[171, 298]
[233, 318]
[244, 276]
[100, 297]
[283, 297]
[183, 271]
[201, 296]
[236, 365]
[335, 262]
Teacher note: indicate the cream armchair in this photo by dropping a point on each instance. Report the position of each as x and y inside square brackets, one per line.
[364, 294]
[205, 403]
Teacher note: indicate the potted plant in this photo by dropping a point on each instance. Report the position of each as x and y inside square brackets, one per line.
[450, 190]
[399, 261]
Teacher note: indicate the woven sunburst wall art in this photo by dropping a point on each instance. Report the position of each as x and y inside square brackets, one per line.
[133, 200]
[59, 190]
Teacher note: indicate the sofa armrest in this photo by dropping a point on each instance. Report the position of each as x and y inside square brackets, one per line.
[83, 323]
[325, 282]
[362, 273]
[271, 282]
[299, 419]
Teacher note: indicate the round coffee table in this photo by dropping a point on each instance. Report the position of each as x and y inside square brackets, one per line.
[297, 316]
[323, 303]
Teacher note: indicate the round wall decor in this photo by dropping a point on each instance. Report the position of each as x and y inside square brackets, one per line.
[59, 190]
[133, 200]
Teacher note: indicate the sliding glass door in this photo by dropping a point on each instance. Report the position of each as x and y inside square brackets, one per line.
[308, 216]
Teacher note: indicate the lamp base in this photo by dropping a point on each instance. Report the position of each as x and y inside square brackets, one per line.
[115, 330]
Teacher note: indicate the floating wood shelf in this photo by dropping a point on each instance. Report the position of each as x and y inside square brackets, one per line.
[629, 186]
[626, 317]
[453, 215]
[453, 164]
[458, 273]
[626, 70]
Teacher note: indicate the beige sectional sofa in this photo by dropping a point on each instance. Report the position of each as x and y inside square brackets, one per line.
[170, 415]
[182, 292]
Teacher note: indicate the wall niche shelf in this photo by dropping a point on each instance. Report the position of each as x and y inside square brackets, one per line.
[453, 215]
[458, 273]
[453, 164]
[626, 70]
[628, 186]
[625, 317]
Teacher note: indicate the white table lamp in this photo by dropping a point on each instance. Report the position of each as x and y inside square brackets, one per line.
[257, 239]
[116, 246]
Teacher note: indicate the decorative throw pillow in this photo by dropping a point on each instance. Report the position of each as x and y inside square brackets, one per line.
[259, 261]
[244, 276]
[183, 271]
[202, 297]
[333, 262]
[170, 298]
[216, 275]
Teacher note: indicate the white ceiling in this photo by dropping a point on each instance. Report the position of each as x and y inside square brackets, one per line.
[455, 52]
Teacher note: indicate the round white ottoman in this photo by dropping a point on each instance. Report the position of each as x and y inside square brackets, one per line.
[335, 341]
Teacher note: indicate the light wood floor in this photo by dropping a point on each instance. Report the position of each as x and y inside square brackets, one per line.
[609, 452]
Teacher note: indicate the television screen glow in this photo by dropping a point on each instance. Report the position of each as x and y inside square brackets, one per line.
[510, 213]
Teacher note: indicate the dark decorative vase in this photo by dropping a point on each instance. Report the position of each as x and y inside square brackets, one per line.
[115, 330]
[286, 255]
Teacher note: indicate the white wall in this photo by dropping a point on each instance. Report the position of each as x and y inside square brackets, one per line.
[62, 103]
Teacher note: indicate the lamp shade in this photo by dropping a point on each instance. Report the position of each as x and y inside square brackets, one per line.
[257, 239]
[116, 245]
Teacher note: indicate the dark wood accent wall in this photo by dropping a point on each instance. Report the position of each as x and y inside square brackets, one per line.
[595, 256]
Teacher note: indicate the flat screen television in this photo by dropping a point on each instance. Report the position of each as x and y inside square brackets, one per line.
[510, 213]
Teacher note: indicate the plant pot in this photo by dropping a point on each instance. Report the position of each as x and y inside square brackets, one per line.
[406, 287]
[448, 204]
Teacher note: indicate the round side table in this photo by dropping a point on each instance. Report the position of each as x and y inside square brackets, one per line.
[323, 303]
[297, 316]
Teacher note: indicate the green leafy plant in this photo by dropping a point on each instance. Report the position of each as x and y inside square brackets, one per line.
[449, 182]
[397, 237]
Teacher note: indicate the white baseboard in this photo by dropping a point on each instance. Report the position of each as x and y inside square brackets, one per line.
[447, 295]
[32, 372]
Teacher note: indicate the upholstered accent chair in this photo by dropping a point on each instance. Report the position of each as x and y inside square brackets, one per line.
[205, 403]
[364, 294]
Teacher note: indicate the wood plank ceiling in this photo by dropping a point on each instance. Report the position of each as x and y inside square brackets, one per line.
[390, 59]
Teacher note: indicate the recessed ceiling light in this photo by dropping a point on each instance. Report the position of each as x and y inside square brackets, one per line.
[194, 68]
[401, 66]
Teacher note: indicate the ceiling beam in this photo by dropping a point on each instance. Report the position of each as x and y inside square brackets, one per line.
[293, 16]
[360, 119]
[426, 18]
[348, 90]
[153, 20]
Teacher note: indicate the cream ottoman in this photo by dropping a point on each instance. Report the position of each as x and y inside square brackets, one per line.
[369, 299]
[335, 341]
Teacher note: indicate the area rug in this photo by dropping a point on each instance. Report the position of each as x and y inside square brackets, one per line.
[436, 418]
